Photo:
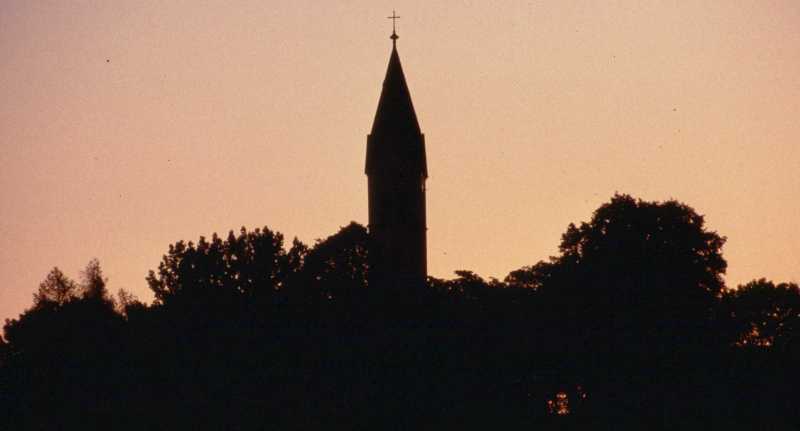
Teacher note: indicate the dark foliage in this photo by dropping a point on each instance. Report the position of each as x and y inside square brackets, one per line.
[251, 265]
[629, 327]
[763, 314]
[63, 354]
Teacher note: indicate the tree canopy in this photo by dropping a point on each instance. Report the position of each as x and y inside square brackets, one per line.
[764, 314]
[250, 264]
[630, 324]
[647, 265]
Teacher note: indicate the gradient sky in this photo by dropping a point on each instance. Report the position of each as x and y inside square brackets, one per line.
[128, 125]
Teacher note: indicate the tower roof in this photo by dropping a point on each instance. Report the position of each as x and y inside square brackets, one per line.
[395, 114]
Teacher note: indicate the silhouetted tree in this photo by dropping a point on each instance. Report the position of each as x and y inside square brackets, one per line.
[93, 283]
[467, 286]
[528, 277]
[336, 267]
[251, 264]
[636, 264]
[62, 353]
[127, 303]
[631, 299]
[763, 314]
[760, 321]
[59, 289]
[56, 288]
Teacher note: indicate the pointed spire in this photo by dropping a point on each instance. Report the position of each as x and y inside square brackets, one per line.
[395, 114]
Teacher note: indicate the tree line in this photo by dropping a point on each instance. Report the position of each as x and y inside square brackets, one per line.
[631, 324]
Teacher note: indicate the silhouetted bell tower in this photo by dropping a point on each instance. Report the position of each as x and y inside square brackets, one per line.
[396, 170]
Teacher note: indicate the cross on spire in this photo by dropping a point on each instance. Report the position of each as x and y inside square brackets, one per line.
[394, 18]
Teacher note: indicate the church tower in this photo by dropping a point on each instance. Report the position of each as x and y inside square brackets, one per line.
[396, 170]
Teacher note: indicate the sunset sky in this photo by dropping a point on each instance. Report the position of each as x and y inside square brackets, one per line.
[128, 125]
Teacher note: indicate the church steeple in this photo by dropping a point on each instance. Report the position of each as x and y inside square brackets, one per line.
[395, 116]
[396, 169]
[395, 112]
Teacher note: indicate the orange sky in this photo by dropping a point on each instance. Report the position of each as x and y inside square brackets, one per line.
[128, 125]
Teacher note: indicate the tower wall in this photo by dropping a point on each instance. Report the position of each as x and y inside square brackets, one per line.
[397, 215]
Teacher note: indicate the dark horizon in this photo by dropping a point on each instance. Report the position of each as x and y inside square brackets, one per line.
[628, 327]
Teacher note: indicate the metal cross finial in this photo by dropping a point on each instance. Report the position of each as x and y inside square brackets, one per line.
[394, 18]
